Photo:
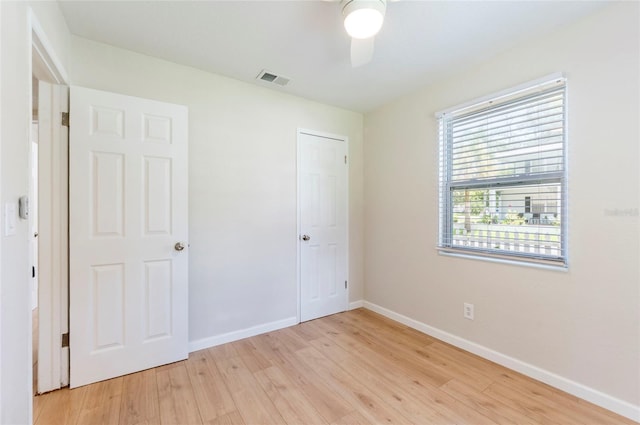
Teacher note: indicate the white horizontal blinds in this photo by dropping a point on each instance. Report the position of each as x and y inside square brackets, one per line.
[522, 137]
[502, 176]
[443, 194]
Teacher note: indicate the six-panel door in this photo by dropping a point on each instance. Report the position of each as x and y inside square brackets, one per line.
[128, 209]
[323, 226]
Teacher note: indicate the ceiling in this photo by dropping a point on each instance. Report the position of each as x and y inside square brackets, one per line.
[420, 42]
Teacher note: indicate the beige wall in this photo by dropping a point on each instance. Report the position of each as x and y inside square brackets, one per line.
[584, 324]
[15, 86]
[242, 183]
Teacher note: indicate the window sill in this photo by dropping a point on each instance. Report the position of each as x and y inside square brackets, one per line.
[513, 262]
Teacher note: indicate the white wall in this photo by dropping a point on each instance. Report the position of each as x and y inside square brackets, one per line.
[242, 183]
[15, 85]
[584, 324]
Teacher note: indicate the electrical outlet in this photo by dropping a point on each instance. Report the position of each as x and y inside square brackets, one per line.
[468, 311]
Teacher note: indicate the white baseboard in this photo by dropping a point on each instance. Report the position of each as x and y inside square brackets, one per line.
[203, 343]
[594, 396]
[356, 304]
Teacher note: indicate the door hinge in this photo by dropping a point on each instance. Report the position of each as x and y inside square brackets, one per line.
[345, 159]
[345, 284]
[65, 119]
[65, 340]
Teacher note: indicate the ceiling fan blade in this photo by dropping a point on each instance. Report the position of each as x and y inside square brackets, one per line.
[361, 51]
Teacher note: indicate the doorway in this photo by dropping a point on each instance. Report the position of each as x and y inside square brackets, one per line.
[48, 221]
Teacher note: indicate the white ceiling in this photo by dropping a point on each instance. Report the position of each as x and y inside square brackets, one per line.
[420, 42]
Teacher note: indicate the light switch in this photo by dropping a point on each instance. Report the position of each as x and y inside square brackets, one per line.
[10, 218]
[23, 207]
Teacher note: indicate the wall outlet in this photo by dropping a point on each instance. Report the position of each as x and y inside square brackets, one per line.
[468, 311]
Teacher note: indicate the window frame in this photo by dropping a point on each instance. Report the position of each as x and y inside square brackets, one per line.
[447, 185]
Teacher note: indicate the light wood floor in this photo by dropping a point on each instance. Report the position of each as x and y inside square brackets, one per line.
[350, 368]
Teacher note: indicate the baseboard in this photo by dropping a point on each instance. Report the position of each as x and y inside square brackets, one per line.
[594, 396]
[203, 343]
[356, 304]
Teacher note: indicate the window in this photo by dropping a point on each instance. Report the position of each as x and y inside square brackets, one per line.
[503, 176]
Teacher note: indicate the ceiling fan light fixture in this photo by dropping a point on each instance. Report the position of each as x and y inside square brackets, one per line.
[363, 18]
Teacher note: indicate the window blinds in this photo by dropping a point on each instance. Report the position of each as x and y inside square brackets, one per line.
[503, 175]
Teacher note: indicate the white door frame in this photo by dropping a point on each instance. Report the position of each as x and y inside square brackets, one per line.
[45, 65]
[1, 303]
[345, 139]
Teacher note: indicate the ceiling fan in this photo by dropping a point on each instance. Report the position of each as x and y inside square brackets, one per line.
[362, 20]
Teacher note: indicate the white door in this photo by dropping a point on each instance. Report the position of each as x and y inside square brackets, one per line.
[322, 180]
[128, 234]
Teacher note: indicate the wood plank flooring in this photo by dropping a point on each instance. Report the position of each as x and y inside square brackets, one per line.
[351, 368]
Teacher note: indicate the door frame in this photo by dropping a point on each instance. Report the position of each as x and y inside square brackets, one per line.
[344, 139]
[45, 65]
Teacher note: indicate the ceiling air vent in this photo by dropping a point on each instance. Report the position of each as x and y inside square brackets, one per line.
[270, 77]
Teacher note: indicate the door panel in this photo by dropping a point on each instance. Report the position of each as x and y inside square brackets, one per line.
[158, 306]
[157, 195]
[107, 305]
[323, 218]
[128, 209]
[107, 193]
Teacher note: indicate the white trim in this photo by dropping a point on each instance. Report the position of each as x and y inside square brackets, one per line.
[592, 395]
[323, 134]
[510, 91]
[298, 268]
[344, 139]
[213, 341]
[49, 255]
[30, 348]
[65, 362]
[50, 69]
[448, 252]
[356, 304]
[42, 46]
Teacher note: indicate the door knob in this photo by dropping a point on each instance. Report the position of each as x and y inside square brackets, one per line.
[179, 246]
[306, 237]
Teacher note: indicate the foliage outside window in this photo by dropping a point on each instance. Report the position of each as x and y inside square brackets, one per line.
[503, 176]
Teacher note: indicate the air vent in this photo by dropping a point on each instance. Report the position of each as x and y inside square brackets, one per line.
[270, 77]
